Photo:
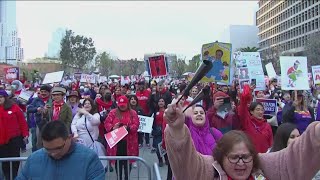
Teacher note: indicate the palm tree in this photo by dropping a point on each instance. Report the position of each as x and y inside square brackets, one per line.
[249, 49]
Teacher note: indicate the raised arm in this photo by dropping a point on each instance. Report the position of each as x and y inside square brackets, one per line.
[300, 160]
[179, 145]
[93, 119]
[243, 111]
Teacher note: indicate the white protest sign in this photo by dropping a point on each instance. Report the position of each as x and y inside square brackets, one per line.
[88, 78]
[270, 71]
[103, 79]
[25, 95]
[294, 73]
[162, 151]
[316, 74]
[54, 77]
[145, 124]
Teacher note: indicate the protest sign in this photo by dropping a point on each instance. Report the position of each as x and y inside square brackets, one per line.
[54, 77]
[157, 66]
[161, 150]
[270, 71]
[316, 74]
[294, 73]
[87, 78]
[25, 95]
[11, 74]
[270, 106]
[115, 136]
[145, 124]
[219, 54]
[251, 68]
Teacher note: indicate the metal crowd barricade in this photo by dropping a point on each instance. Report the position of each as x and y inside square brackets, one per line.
[156, 172]
[109, 175]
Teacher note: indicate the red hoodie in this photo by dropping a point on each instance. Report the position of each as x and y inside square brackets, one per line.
[143, 97]
[12, 124]
[103, 106]
[258, 130]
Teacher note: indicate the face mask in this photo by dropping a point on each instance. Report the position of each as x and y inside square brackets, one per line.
[86, 89]
[9, 93]
[318, 96]
[81, 87]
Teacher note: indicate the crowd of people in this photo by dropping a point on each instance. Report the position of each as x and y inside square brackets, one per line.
[208, 140]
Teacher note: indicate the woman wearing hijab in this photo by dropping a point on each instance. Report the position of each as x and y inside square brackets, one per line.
[204, 137]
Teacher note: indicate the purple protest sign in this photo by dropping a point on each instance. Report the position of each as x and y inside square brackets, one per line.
[270, 106]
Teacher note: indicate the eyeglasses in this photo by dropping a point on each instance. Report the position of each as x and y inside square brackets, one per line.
[235, 159]
[55, 150]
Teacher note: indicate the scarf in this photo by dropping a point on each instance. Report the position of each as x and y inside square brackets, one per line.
[103, 105]
[56, 110]
[203, 140]
[44, 99]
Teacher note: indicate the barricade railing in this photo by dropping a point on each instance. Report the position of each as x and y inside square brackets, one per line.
[156, 172]
[124, 160]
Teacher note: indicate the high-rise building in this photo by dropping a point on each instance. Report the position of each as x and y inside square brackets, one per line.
[10, 44]
[54, 46]
[285, 26]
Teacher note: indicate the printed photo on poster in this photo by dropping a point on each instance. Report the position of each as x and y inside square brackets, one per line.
[294, 73]
[316, 74]
[243, 73]
[220, 55]
[157, 66]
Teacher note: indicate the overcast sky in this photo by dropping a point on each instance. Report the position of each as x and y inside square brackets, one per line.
[131, 29]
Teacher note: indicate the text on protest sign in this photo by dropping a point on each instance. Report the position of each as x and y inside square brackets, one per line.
[88, 78]
[162, 151]
[269, 105]
[12, 73]
[145, 124]
[115, 136]
[316, 74]
[25, 95]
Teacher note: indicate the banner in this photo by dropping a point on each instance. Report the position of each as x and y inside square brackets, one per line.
[115, 136]
[316, 74]
[157, 66]
[87, 78]
[11, 74]
[270, 106]
[54, 77]
[250, 67]
[145, 124]
[270, 71]
[220, 55]
[294, 73]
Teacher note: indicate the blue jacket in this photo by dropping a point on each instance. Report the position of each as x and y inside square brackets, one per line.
[32, 108]
[80, 163]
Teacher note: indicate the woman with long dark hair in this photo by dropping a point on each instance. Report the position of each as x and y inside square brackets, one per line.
[125, 117]
[285, 135]
[13, 133]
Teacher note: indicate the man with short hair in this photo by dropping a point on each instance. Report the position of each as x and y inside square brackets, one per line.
[61, 158]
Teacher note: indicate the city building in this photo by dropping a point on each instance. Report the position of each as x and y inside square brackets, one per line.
[54, 46]
[10, 44]
[285, 26]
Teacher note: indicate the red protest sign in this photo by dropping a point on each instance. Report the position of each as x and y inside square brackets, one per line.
[115, 136]
[12, 73]
[157, 66]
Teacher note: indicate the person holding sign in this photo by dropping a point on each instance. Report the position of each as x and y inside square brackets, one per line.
[123, 116]
[300, 113]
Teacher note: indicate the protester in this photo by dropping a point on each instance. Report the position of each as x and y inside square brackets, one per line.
[235, 146]
[161, 92]
[75, 161]
[31, 120]
[123, 116]
[222, 120]
[73, 101]
[13, 133]
[286, 134]
[253, 123]
[300, 113]
[204, 137]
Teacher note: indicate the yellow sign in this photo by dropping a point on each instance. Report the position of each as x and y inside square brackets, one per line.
[220, 55]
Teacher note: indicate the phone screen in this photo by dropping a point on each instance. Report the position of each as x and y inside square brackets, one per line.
[253, 82]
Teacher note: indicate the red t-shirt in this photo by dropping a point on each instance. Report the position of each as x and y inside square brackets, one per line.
[143, 97]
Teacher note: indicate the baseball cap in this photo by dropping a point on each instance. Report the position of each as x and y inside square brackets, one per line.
[122, 101]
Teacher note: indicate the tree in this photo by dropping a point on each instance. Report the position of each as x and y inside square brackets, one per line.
[76, 50]
[194, 63]
[249, 49]
[272, 55]
[312, 50]
[105, 63]
[178, 67]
